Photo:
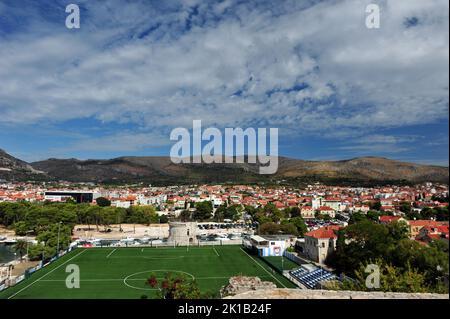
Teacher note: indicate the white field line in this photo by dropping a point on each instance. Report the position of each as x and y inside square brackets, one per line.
[111, 253]
[46, 274]
[263, 268]
[216, 252]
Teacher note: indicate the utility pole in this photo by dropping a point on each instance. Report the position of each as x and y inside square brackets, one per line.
[43, 254]
[59, 229]
[28, 243]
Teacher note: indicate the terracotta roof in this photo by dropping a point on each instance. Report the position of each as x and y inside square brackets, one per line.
[324, 232]
[422, 223]
[388, 219]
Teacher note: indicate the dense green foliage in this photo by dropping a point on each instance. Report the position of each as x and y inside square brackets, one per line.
[437, 213]
[273, 221]
[20, 247]
[392, 279]
[271, 228]
[103, 202]
[46, 220]
[232, 212]
[203, 211]
[366, 241]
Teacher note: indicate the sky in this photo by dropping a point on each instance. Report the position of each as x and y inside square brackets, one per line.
[135, 70]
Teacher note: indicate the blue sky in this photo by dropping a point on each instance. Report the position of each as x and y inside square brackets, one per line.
[135, 70]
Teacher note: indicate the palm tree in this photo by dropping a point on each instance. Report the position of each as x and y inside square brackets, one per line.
[21, 247]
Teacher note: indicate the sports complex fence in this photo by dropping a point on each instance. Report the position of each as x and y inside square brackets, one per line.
[150, 244]
[293, 257]
[11, 281]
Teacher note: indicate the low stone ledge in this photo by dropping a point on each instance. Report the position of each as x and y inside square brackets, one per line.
[280, 293]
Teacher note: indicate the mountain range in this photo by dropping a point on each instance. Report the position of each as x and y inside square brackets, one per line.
[161, 171]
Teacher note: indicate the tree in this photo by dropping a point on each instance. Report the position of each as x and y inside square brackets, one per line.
[272, 212]
[40, 251]
[288, 229]
[271, 228]
[219, 214]
[203, 211]
[50, 236]
[440, 198]
[442, 213]
[405, 207]
[375, 205]
[373, 215]
[365, 241]
[392, 278]
[142, 215]
[357, 217]
[21, 228]
[295, 212]
[231, 212]
[299, 224]
[103, 202]
[163, 219]
[250, 210]
[93, 214]
[175, 286]
[185, 215]
[20, 247]
[360, 242]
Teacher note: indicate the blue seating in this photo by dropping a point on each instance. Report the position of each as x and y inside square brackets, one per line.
[310, 279]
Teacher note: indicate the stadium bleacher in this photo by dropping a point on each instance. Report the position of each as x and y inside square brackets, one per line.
[311, 278]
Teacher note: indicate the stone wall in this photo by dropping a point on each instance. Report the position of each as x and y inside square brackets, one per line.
[241, 284]
[279, 293]
[183, 233]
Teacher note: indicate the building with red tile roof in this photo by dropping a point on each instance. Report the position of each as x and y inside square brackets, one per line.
[320, 243]
[416, 225]
[389, 219]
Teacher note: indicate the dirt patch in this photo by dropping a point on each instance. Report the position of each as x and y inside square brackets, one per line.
[21, 267]
[6, 232]
[128, 230]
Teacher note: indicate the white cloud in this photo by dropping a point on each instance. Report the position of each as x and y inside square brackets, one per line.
[222, 70]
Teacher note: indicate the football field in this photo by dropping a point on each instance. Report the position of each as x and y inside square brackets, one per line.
[122, 272]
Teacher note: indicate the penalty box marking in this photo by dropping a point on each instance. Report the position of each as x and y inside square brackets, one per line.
[46, 274]
[263, 268]
[111, 253]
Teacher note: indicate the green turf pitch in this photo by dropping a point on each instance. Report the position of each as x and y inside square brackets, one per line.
[281, 263]
[121, 272]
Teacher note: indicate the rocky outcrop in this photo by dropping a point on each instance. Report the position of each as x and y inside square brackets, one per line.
[12, 168]
[242, 284]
